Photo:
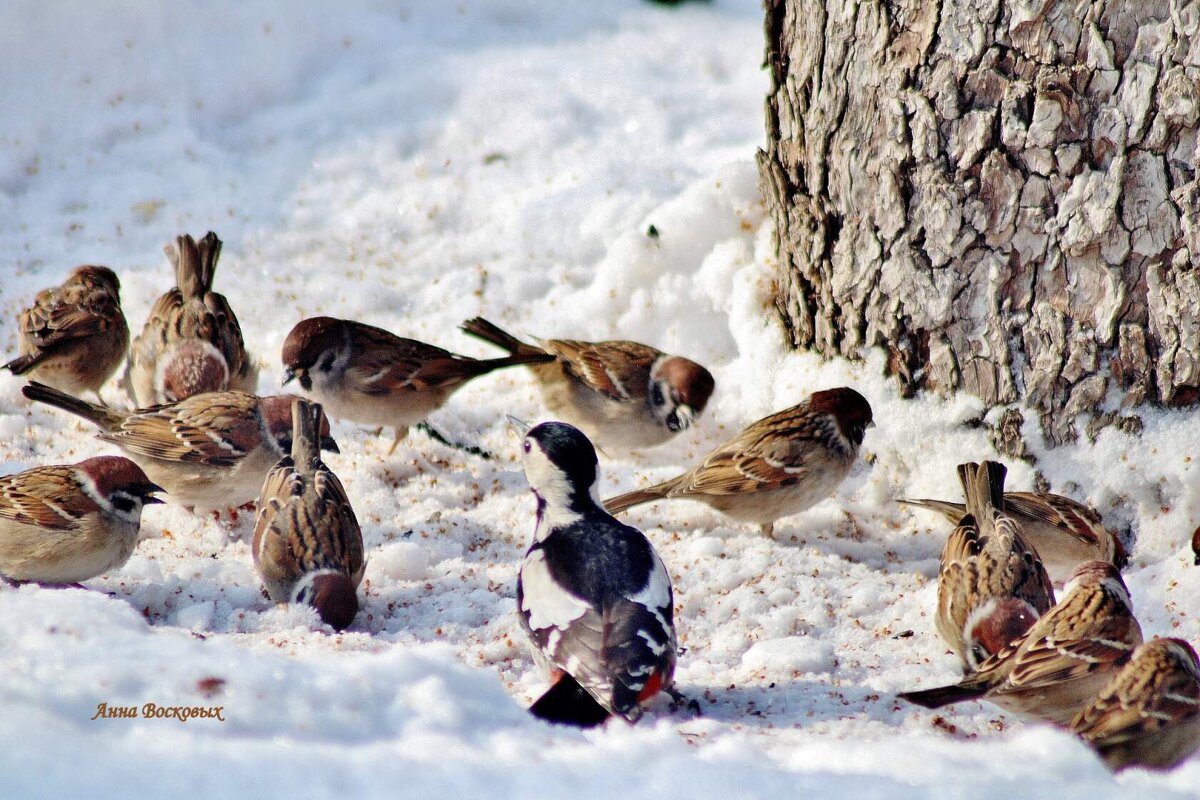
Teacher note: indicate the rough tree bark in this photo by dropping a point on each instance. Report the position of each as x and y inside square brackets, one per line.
[1003, 193]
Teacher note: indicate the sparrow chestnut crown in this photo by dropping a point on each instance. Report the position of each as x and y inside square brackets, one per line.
[306, 343]
[848, 407]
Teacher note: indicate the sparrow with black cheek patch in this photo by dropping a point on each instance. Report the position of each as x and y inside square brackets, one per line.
[1149, 715]
[66, 524]
[211, 450]
[1064, 532]
[74, 336]
[192, 342]
[592, 595]
[307, 544]
[991, 584]
[781, 465]
[1063, 661]
[365, 374]
[620, 393]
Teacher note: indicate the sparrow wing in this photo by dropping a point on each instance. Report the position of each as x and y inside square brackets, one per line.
[276, 560]
[48, 497]
[619, 370]
[775, 452]
[383, 363]
[1158, 688]
[221, 328]
[72, 312]
[216, 428]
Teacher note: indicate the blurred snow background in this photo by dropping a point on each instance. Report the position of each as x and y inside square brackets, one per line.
[412, 164]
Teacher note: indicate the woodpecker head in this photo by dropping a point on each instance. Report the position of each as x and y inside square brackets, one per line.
[561, 467]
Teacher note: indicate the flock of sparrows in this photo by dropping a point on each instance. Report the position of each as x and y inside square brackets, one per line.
[1080, 662]
[593, 596]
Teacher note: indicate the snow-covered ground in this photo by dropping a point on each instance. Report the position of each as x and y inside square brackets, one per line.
[412, 164]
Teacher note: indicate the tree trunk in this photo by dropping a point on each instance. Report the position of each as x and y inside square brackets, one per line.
[1003, 193]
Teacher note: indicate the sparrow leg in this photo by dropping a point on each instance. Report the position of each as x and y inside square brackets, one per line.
[441, 439]
[680, 700]
[401, 432]
[768, 530]
[379, 431]
[100, 400]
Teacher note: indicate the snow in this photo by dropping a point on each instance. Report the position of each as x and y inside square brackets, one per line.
[411, 165]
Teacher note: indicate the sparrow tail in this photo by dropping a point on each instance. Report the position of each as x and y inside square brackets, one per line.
[195, 263]
[568, 703]
[615, 505]
[480, 328]
[983, 487]
[942, 695]
[306, 439]
[22, 364]
[951, 511]
[41, 393]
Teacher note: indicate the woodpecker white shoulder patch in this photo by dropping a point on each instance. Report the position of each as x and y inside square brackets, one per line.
[547, 602]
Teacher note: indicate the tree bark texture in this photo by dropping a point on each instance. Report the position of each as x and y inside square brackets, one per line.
[1003, 193]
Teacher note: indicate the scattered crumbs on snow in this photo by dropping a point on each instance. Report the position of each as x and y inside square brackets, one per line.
[411, 165]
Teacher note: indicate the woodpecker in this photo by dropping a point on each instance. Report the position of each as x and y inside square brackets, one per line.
[592, 595]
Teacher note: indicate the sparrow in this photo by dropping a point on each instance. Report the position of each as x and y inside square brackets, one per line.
[621, 394]
[211, 450]
[781, 465]
[74, 336]
[1063, 660]
[592, 595]
[192, 342]
[1149, 714]
[307, 544]
[991, 585]
[365, 374]
[1064, 532]
[69, 523]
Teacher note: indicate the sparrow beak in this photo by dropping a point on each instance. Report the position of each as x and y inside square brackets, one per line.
[288, 376]
[148, 499]
[517, 426]
[329, 445]
[683, 416]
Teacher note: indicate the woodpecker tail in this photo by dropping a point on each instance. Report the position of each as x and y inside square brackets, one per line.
[568, 703]
[41, 393]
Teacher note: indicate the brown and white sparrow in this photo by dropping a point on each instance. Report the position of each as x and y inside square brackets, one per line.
[991, 586]
[620, 393]
[70, 523]
[211, 450]
[365, 374]
[1063, 661]
[74, 336]
[192, 342]
[307, 544]
[1149, 714]
[781, 465]
[1064, 532]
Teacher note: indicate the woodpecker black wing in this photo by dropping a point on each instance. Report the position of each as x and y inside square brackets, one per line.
[596, 602]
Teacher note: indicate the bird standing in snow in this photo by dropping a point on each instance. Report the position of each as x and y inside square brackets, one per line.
[619, 393]
[781, 465]
[308, 547]
[192, 342]
[592, 595]
[74, 336]
[992, 586]
[365, 374]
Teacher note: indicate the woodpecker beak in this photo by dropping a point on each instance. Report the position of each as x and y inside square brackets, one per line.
[518, 427]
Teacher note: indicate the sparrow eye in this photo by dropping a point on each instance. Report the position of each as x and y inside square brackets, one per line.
[656, 395]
